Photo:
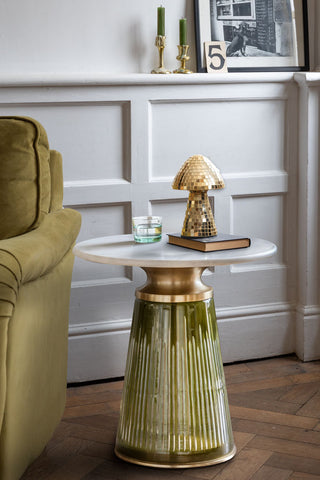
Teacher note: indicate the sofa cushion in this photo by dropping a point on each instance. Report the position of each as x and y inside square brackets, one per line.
[24, 175]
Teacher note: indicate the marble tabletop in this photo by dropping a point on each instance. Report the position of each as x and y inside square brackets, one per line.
[122, 250]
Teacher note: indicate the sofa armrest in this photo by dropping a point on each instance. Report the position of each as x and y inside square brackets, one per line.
[25, 258]
[37, 252]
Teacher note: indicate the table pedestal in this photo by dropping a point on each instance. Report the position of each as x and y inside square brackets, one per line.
[174, 410]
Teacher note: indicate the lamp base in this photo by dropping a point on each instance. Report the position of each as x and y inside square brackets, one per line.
[198, 221]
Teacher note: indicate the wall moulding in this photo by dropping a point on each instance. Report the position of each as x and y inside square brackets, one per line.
[96, 78]
[260, 137]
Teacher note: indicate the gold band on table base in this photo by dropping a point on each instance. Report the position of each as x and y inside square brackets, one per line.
[174, 285]
[183, 58]
[160, 44]
[204, 463]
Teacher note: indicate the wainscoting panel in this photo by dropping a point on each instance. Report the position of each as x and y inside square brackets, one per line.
[99, 221]
[263, 217]
[238, 135]
[172, 213]
[124, 138]
[92, 135]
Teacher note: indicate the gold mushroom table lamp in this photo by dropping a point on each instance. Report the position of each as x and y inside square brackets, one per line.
[198, 175]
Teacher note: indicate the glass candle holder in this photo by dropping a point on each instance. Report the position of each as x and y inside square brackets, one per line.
[147, 229]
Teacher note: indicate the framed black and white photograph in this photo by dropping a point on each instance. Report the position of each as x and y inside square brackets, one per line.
[260, 35]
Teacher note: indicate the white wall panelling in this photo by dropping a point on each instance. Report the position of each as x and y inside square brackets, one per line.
[124, 138]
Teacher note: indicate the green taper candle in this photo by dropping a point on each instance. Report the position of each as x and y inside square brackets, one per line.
[161, 27]
[183, 31]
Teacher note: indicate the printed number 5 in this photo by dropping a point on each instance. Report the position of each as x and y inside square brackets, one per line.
[216, 56]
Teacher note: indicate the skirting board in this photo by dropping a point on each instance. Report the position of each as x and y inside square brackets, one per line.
[255, 334]
[94, 350]
[308, 333]
[245, 333]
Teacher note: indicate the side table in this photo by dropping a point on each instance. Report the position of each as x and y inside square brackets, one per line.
[174, 410]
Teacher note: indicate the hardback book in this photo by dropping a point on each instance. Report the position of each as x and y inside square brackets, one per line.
[221, 241]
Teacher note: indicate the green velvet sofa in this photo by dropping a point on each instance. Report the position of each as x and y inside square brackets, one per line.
[36, 261]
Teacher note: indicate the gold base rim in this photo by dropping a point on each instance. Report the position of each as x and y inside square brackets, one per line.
[159, 298]
[204, 463]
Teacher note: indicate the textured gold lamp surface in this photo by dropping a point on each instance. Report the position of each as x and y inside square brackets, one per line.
[198, 175]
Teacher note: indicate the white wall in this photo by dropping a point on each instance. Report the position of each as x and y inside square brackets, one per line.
[99, 36]
[63, 36]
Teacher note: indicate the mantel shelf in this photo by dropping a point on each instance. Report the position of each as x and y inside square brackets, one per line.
[104, 79]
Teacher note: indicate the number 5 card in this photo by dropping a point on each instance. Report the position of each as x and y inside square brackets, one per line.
[216, 57]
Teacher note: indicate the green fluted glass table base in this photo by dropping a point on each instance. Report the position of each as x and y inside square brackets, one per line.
[174, 411]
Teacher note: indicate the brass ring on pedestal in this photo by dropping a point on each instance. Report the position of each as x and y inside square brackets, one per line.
[174, 285]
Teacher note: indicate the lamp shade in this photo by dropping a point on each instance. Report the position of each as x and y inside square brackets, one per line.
[197, 174]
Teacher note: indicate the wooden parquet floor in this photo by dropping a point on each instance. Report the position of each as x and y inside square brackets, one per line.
[275, 409]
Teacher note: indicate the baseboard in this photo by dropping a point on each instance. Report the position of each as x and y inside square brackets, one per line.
[308, 332]
[256, 331]
[99, 350]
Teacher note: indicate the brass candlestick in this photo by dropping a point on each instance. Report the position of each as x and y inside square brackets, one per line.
[160, 44]
[183, 58]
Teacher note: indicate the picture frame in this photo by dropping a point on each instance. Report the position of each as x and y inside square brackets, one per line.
[260, 35]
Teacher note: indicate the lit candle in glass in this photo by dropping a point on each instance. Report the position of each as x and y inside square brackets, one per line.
[161, 24]
[183, 31]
